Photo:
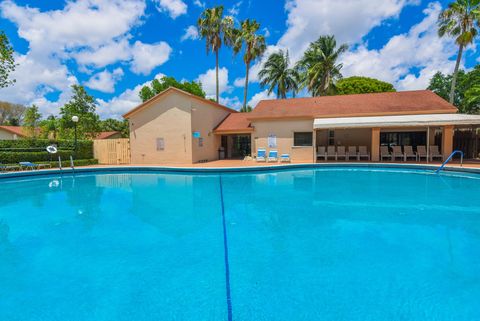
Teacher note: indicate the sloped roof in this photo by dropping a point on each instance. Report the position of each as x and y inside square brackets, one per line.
[377, 104]
[237, 122]
[170, 90]
[18, 130]
[105, 135]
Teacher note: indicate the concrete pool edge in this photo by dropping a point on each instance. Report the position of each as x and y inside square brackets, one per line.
[213, 170]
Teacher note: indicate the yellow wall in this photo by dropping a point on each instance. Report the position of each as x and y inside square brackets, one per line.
[284, 130]
[174, 117]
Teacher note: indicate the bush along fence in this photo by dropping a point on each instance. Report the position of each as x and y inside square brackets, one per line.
[34, 150]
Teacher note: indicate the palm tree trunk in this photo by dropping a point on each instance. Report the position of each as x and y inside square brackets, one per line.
[245, 90]
[455, 74]
[216, 72]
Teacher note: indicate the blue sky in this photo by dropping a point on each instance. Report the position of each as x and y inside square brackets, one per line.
[114, 47]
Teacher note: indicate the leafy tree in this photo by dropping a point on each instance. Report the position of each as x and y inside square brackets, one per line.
[319, 67]
[31, 120]
[11, 113]
[82, 105]
[246, 109]
[111, 124]
[157, 86]
[460, 20]
[471, 102]
[49, 127]
[216, 30]
[277, 75]
[441, 85]
[254, 47]
[361, 85]
[7, 62]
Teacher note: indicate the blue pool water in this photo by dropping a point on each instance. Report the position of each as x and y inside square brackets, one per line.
[305, 244]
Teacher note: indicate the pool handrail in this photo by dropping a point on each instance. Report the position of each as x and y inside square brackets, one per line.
[449, 158]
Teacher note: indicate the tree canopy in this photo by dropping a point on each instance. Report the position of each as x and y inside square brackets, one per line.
[159, 85]
[361, 85]
[7, 62]
[11, 114]
[31, 120]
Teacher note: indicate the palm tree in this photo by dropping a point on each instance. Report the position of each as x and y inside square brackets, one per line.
[254, 47]
[276, 73]
[318, 66]
[216, 29]
[460, 20]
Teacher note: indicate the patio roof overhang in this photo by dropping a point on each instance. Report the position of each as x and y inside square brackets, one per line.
[426, 120]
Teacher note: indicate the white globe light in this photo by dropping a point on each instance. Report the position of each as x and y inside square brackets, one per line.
[75, 119]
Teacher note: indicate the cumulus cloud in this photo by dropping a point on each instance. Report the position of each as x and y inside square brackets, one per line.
[232, 102]
[190, 33]
[105, 81]
[174, 8]
[199, 3]
[209, 83]
[146, 57]
[262, 95]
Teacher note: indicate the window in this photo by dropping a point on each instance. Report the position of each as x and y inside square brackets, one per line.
[331, 137]
[200, 142]
[303, 139]
[160, 144]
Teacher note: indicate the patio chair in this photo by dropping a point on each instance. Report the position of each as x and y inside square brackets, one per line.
[385, 153]
[285, 158]
[397, 153]
[362, 152]
[32, 166]
[352, 152]
[331, 153]
[261, 155]
[435, 153]
[321, 152]
[341, 153]
[272, 156]
[6, 168]
[421, 153]
[408, 152]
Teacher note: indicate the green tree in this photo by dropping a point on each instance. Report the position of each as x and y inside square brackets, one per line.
[216, 30]
[362, 85]
[319, 68]
[460, 20]
[254, 47]
[31, 120]
[246, 109]
[7, 62]
[277, 74]
[49, 127]
[441, 85]
[82, 105]
[471, 102]
[159, 85]
[9, 112]
[111, 124]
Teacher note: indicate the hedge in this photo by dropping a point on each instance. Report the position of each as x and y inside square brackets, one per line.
[14, 151]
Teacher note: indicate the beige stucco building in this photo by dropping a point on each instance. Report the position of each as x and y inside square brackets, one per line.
[12, 132]
[177, 127]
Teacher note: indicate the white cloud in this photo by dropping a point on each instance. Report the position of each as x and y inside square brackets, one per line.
[235, 9]
[119, 105]
[146, 57]
[419, 48]
[262, 95]
[105, 81]
[199, 3]
[208, 81]
[104, 55]
[190, 33]
[232, 102]
[174, 8]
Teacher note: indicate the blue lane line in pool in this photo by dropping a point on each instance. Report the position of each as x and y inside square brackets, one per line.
[225, 247]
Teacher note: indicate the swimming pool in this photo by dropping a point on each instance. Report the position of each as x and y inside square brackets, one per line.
[301, 244]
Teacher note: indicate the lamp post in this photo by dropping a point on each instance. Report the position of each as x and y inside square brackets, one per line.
[75, 121]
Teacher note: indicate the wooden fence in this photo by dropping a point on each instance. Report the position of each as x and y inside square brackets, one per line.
[112, 151]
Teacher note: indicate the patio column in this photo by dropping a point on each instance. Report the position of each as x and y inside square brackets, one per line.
[447, 140]
[375, 145]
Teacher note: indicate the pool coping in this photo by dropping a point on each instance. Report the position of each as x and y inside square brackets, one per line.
[197, 170]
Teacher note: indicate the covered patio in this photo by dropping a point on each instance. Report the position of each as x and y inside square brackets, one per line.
[406, 130]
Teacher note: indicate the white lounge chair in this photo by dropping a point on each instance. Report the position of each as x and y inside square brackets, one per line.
[321, 152]
[341, 153]
[331, 153]
[272, 156]
[261, 155]
[285, 158]
[352, 152]
[435, 153]
[397, 153]
[385, 153]
[362, 152]
[408, 153]
[421, 153]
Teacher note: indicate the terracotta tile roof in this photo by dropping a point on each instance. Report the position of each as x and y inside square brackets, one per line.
[394, 103]
[236, 122]
[105, 135]
[19, 130]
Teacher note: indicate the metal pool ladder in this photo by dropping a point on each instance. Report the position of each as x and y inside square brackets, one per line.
[449, 159]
